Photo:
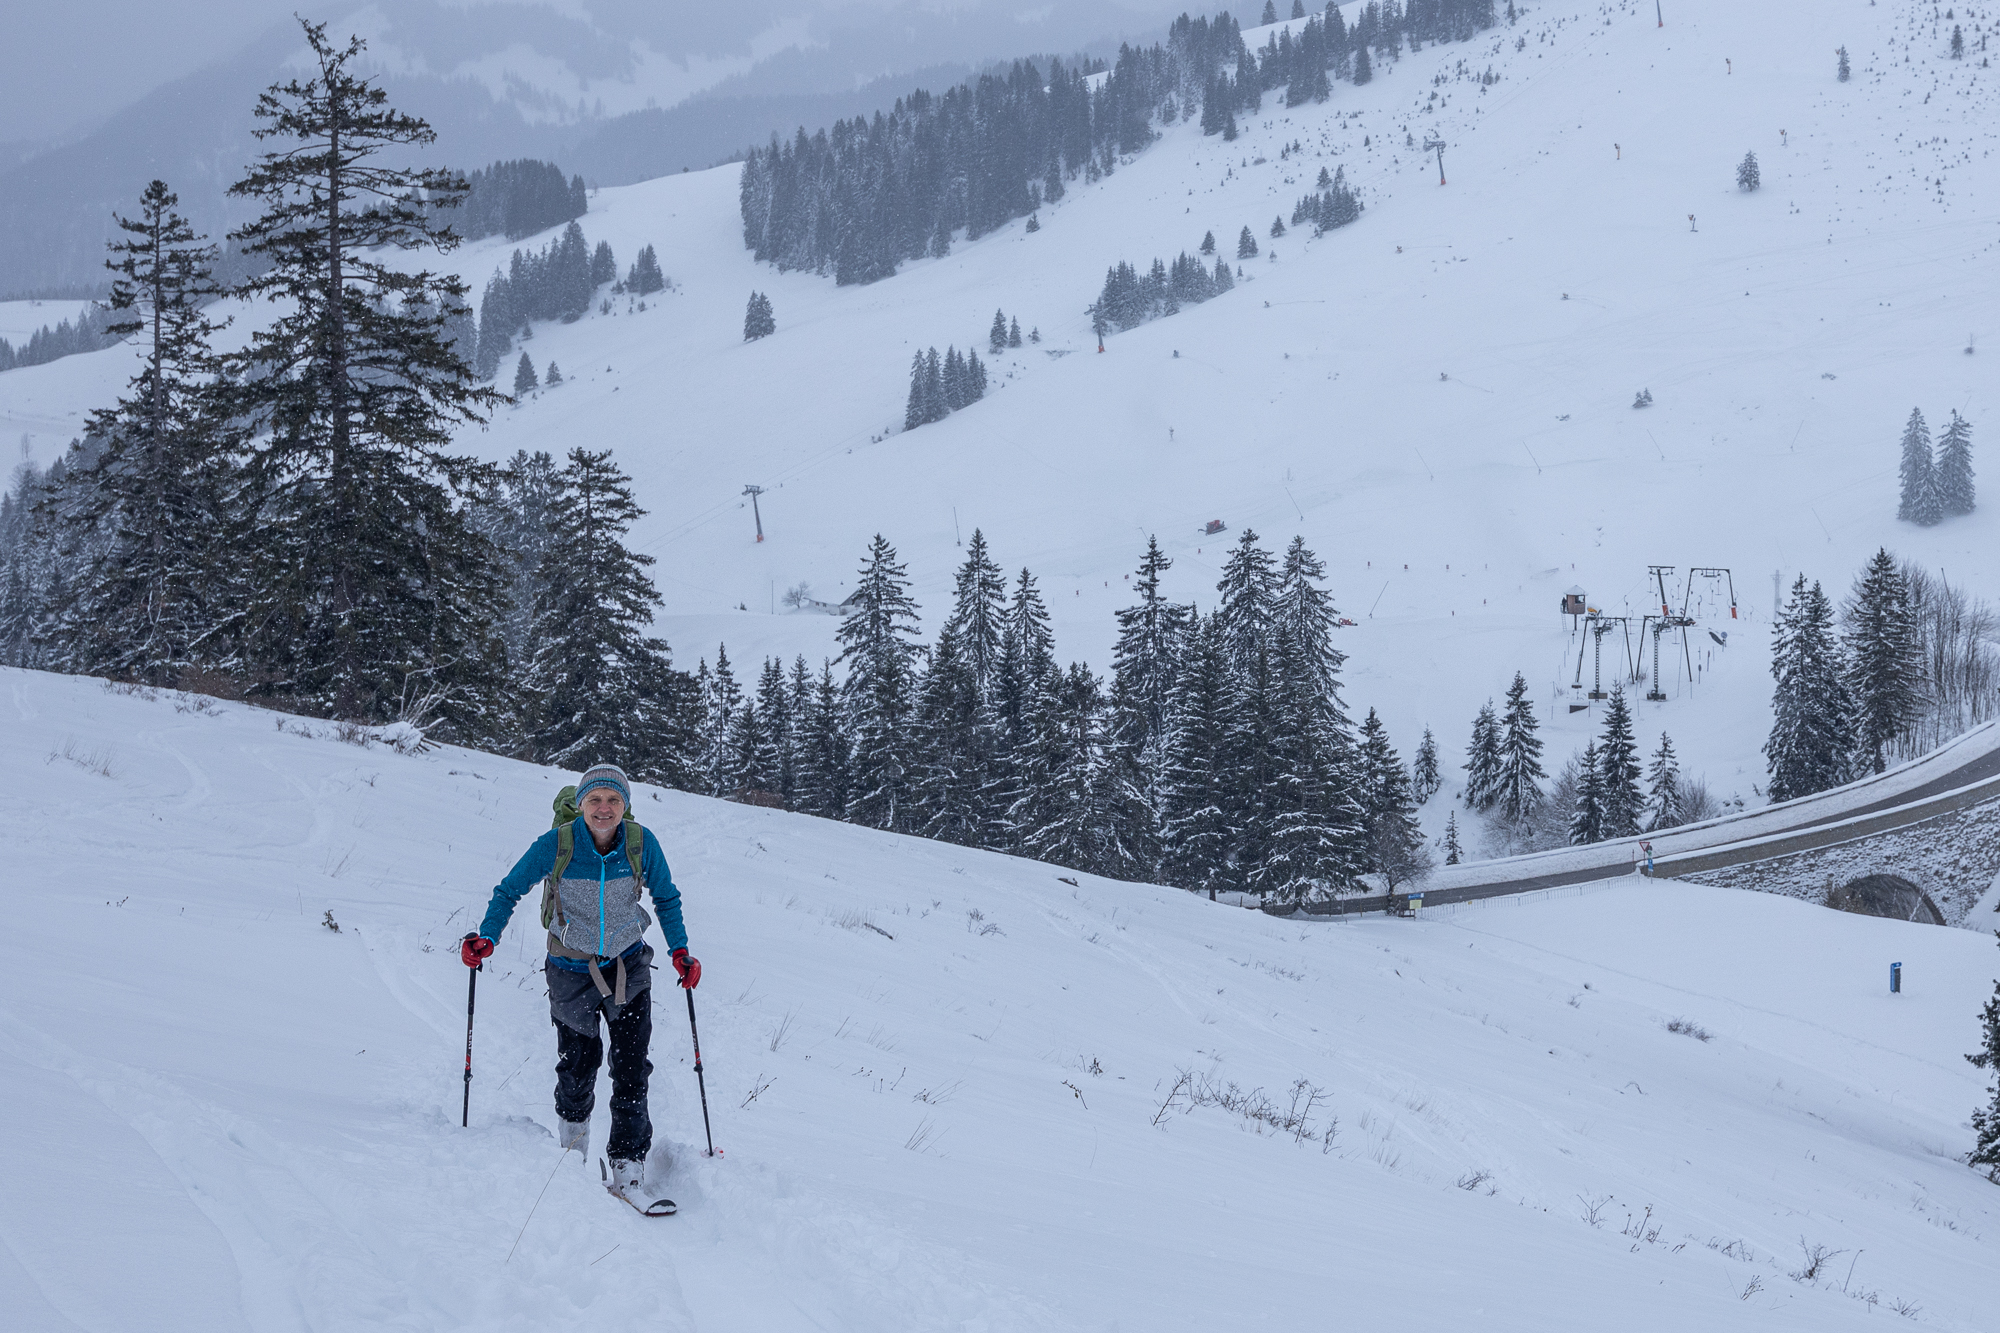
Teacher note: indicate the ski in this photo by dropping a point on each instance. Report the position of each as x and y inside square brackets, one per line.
[657, 1208]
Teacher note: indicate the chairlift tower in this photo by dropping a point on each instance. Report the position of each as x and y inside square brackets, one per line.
[1433, 142]
[1600, 625]
[753, 492]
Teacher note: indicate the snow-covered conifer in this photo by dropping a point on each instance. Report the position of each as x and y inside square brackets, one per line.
[1586, 823]
[1917, 473]
[1747, 175]
[1453, 853]
[1663, 788]
[759, 321]
[525, 378]
[1246, 245]
[1424, 778]
[1618, 770]
[1884, 660]
[878, 648]
[996, 337]
[1520, 786]
[979, 613]
[1198, 846]
[1811, 738]
[1841, 70]
[1482, 760]
[1953, 475]
[1986, 1119]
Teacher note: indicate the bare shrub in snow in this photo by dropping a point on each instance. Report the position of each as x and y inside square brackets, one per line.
[1688, 1028]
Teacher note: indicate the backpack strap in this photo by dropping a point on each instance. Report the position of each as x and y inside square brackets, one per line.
[635, 851]
[565, 849]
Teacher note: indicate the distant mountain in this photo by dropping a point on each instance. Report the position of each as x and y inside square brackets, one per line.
[631, 92]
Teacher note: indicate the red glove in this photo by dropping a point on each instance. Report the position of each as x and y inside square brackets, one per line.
[689, 967]
[475, 949]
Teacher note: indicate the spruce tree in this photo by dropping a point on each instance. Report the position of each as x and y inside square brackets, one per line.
[1747, 175]
[1884, 661]
[1986, 1119]
[1955, 491]
[1364, 70]
[1841, 71]
[603, 267]
[1248, 588]
[1520, 782]
[1014, 333]
[879, 650]
[154, 597]
[721, 699]
[1424, 778]
[1618, 770]
[1453, 853]
[1064, 810]
[914, 415]
[1246, 245]
[525, 379]
[554, 377]
[1208, 243]
[979, 613]
[771, 764]
[820, 784]
[952, 737]
[1663, 779]
[1198, 842]
[371, 593]
[1143, 665]
[996, 337]
[646, 277]
[1586, 822]
[1388, 811]
[1482, 760]
[603, 689]
[1919, 501]
[758, 320]
[1811, 739]
[1957, 42]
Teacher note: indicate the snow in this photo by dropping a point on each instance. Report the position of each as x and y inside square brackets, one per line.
[256, 1117]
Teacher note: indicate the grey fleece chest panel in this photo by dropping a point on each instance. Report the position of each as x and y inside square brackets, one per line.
[598, 906]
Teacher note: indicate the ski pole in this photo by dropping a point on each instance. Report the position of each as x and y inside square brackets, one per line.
[700, 1082]
[471, 988]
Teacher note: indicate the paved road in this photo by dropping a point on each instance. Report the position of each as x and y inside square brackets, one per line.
[1972, 782]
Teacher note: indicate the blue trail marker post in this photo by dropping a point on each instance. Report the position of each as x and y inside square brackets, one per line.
[1895, 978]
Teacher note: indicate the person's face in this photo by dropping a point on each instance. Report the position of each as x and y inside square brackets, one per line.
[602, 809]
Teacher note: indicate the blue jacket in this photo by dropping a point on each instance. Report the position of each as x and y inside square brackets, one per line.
[607, 877]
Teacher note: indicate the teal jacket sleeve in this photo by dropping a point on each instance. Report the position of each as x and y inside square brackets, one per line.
[666, 898]
[533, 867]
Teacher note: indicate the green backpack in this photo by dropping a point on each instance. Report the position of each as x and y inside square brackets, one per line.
[565, 827]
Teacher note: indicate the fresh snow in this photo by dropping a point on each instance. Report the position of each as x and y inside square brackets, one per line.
[222, 1114]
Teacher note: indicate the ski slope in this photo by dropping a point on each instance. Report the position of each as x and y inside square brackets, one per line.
[223, 1115]
[1438, 398]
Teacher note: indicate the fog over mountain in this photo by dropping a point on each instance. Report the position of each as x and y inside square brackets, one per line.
[99, 97]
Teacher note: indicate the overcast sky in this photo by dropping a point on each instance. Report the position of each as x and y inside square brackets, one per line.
[66, 63]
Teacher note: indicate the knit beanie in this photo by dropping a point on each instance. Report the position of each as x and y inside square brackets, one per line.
[604, 775]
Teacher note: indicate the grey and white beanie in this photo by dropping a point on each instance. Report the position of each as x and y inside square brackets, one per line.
[604, 775]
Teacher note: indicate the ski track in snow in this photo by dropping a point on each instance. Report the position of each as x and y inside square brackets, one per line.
[257, 1117]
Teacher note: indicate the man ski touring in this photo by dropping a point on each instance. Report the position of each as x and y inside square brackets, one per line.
[592, 874]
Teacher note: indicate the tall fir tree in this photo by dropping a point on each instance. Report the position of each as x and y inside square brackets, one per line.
[158, 500]
[879, 650]
[1663, 788]
[604, 691]
[1919, 501]
[1618, 770]
[979, 612]
[1586, 821]
[371, 592]
[1424, 778]
[771, 765]
[1811, 736]
[1198, 841]
[1955, 491]
[821, 785]
[1884, 661]
[952, 737]
[1143, 665]
[1520, 784]
[1248, 588]
[1482, 760]
[758, 319]
[721, 699]
[1453, 853]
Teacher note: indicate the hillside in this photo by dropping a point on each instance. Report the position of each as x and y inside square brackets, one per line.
[1445, 385]
[947, 1120]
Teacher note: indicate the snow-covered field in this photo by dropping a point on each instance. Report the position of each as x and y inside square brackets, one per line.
[1438, 397]
[936, 1076]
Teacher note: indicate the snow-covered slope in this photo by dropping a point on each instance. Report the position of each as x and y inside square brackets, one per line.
[1438, 397]
[937, 1077]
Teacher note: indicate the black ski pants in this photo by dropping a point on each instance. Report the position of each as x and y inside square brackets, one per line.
[578, 1056]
